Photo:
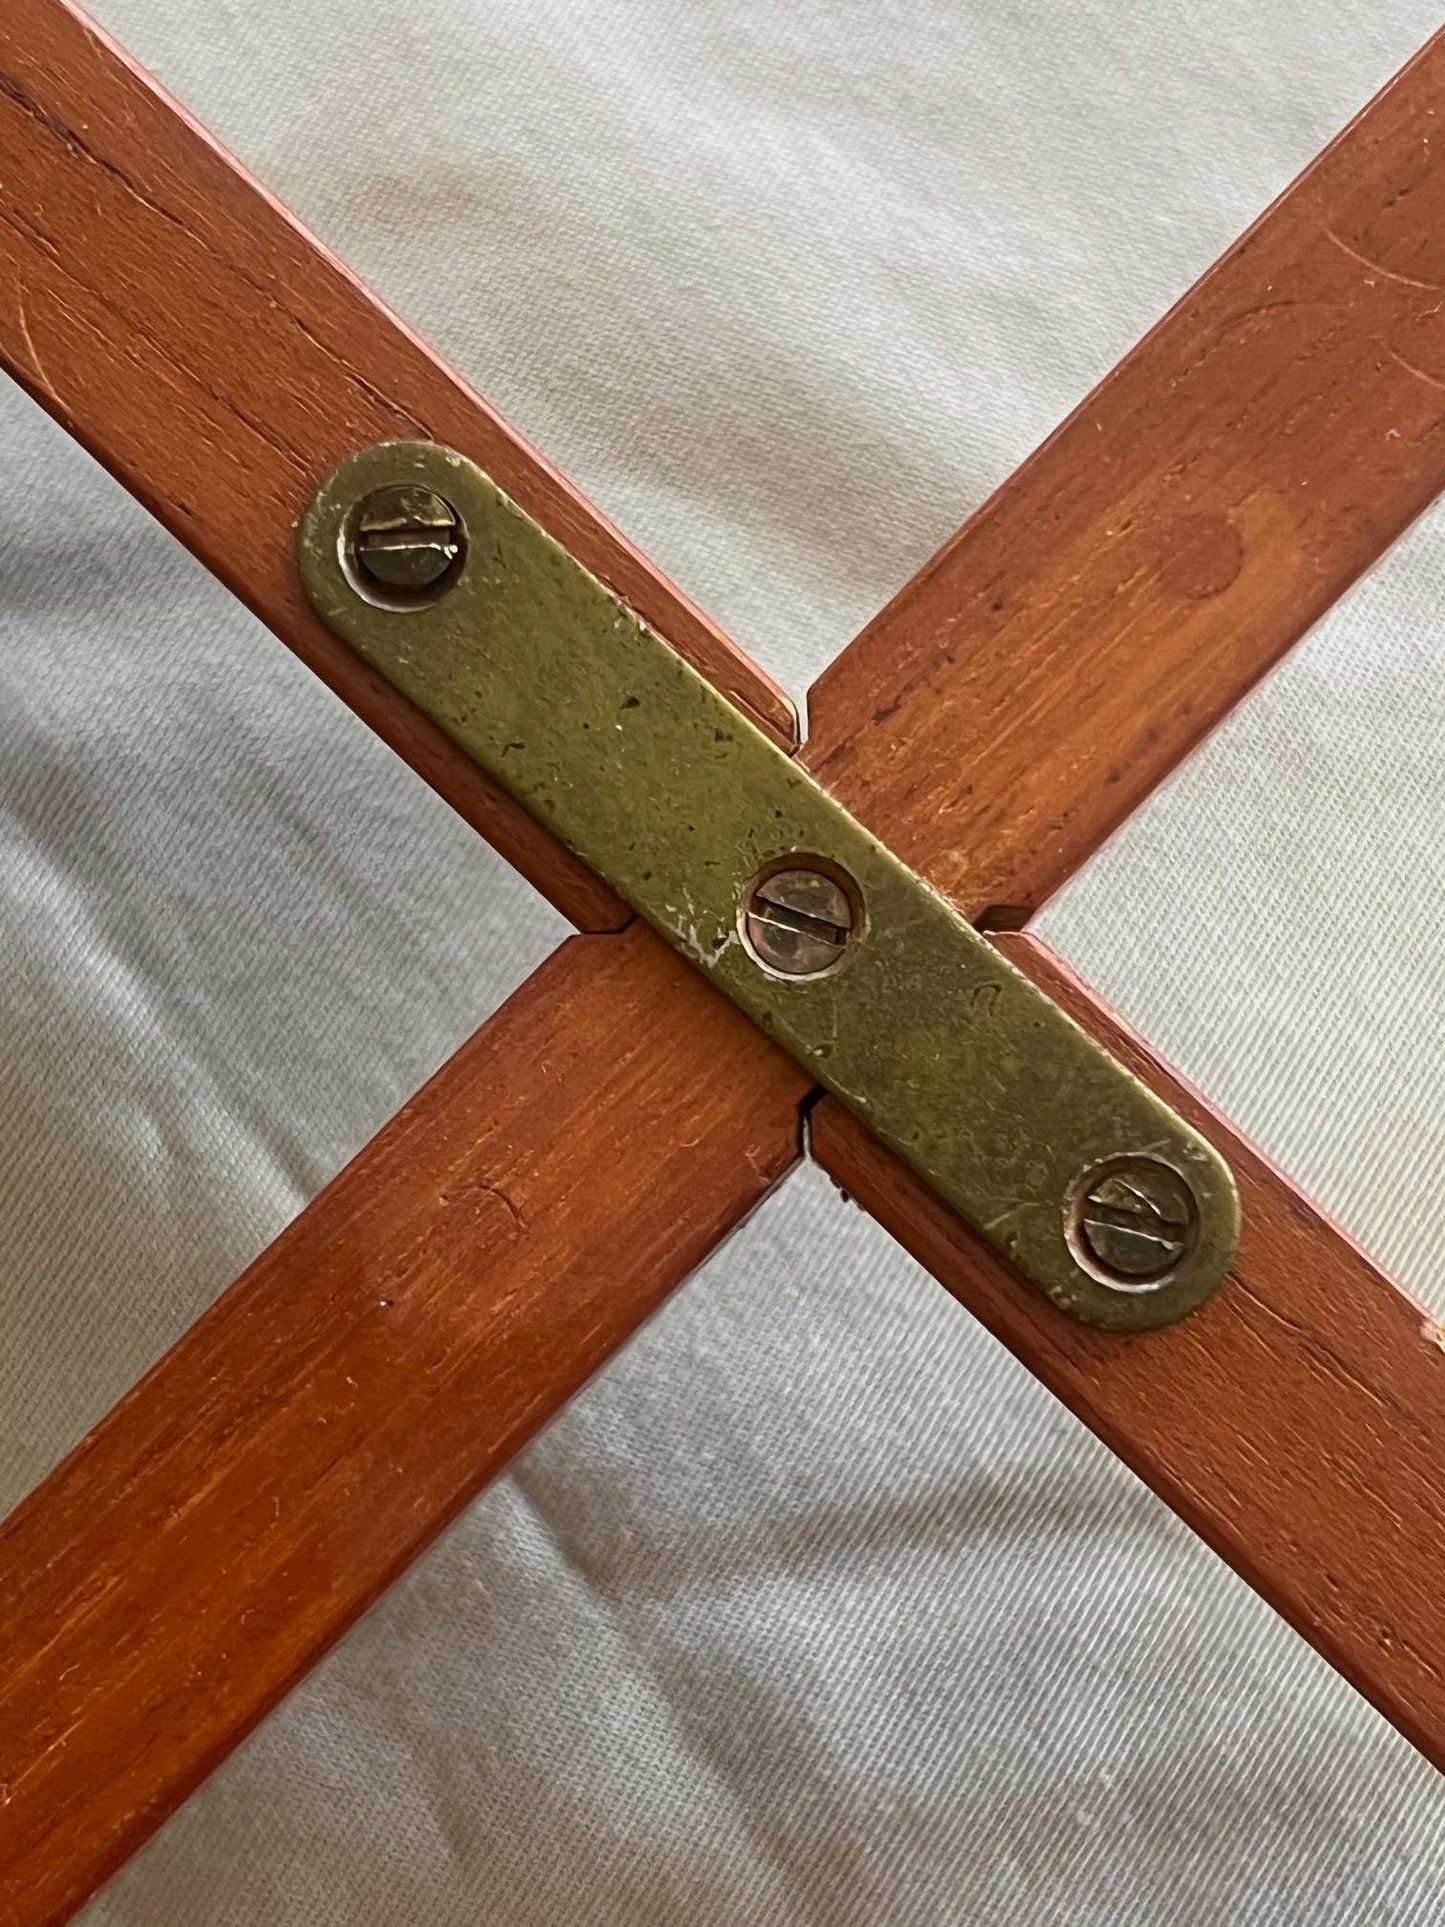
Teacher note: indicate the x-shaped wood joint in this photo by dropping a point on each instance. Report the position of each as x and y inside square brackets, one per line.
[341, 1403]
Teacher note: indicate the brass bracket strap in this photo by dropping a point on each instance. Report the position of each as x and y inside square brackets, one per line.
[1092, 1186]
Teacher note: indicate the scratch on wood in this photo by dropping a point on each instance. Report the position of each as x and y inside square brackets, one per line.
[76, 143]
[1378, 267]
[32, 355]
[1420, 374]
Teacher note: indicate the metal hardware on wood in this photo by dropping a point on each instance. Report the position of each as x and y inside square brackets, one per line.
[799, 922]
[406, 541]
[1135, 1220]
[745, 863]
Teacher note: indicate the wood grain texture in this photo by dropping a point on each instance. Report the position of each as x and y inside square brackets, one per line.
[1205, 505]
[1297, 1422]
[239, 1509]
[219, 362]
[357, 1386]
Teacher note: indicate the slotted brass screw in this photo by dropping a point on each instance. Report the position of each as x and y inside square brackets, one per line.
[1135, 1220]
[406, 540]
[799, 923]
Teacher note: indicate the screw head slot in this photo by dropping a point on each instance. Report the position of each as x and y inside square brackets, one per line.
[403, 546]
[799, 922]
[1131, 1222]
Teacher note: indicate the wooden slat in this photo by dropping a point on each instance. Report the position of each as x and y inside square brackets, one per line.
[343, 1401]
[1201, 509]
[1031, 686]
[1297, 1422]
[175, 319]
[238, 1510]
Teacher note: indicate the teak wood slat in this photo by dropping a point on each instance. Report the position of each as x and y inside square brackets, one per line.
[1121, 633]
[178, 321]
[1296, 1422]
[1198, 512]
[358, 1385]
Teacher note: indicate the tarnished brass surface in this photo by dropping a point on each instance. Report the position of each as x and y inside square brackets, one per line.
[956, 1061]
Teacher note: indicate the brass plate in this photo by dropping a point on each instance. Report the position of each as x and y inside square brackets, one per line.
[994, 1096]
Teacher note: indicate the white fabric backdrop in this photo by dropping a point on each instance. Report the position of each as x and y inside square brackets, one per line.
[813, 1608]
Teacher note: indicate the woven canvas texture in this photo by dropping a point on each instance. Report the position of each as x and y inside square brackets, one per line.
[813, 1608]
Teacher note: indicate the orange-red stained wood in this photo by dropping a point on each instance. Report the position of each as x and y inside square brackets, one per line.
[1297, 1422]
[348, 1395]
[1200, 510]
[654, 1060]
[175, 319]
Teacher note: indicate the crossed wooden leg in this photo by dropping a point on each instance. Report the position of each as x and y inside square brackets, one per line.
[222, 1527]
